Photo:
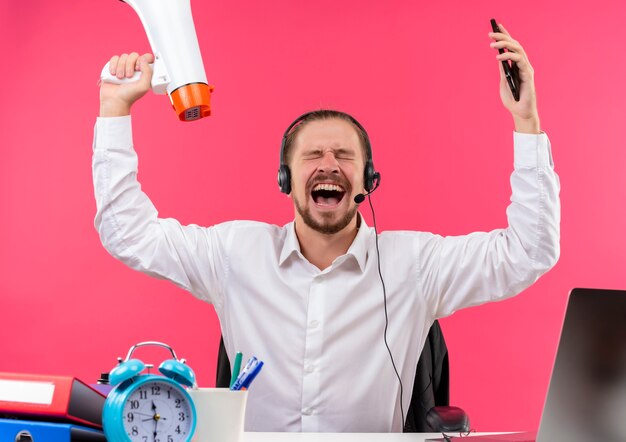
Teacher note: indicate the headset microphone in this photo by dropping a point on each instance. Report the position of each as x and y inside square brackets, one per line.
[360, 197]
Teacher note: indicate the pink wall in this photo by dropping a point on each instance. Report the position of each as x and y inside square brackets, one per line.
[422, 79]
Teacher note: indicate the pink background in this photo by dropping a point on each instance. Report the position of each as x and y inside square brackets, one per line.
[421, 78]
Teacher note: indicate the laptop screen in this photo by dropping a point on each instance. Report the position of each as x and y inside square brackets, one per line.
[586, 399]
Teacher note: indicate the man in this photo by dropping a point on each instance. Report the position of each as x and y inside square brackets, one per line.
[307, 297]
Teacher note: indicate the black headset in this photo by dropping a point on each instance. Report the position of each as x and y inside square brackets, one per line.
[371, 178]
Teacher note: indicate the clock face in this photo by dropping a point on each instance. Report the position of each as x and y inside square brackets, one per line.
[157, 411]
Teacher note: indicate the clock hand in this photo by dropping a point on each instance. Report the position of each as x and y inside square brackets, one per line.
[144, 414]
[156, 421]
[157, 417]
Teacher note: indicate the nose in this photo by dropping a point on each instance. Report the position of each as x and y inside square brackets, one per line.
[328, 163]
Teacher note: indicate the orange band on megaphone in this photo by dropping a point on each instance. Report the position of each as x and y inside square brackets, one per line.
[192, 101]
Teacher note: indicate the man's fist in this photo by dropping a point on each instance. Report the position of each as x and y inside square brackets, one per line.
[117, 99]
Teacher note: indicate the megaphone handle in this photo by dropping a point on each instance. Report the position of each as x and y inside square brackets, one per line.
[160, 79]
[107, 77]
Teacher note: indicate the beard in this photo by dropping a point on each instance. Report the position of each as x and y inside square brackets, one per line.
[328, 225]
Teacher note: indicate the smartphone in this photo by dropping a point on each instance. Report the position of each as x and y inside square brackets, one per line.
[511, 71]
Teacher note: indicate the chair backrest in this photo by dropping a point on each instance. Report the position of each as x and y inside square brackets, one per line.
[432, 382]
[431, 387]
[222, 377]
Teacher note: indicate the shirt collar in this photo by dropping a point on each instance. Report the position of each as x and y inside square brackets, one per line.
[358, 248]
[291, 244]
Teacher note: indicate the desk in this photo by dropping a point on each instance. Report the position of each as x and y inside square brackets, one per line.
[343, 437]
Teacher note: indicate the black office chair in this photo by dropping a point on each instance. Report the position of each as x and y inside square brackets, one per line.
[429, 410]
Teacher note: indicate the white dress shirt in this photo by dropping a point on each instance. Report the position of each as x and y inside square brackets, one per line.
[320, 332]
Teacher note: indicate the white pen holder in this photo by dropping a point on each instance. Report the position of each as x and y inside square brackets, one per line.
[220, 414]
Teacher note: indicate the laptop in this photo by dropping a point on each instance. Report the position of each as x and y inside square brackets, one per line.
[586, 400]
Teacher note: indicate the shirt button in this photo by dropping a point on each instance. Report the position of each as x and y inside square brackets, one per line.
[314, 323]
[309, 368]
[307, 411]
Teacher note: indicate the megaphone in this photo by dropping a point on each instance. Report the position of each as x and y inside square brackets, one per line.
[177, 69]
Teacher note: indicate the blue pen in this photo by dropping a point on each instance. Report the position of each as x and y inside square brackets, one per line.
[246, 380]
[246, 383]
[252, 361]
[249, 372]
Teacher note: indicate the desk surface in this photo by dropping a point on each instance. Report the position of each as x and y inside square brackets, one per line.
[343, 437]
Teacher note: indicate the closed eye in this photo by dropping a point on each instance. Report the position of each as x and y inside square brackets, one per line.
[342, 154]
[312, 154]
[339, 154]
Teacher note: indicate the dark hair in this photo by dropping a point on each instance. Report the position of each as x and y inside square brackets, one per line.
[324, 114]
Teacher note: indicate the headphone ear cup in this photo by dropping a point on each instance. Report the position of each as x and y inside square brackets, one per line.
[284, 179]
[369, 176]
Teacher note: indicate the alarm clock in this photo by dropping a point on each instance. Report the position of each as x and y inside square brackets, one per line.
[149, 407]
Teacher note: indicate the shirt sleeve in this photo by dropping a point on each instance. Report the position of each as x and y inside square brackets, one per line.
[462, 271]
[130, 229]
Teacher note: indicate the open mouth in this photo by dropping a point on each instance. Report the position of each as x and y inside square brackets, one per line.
[327, 195]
